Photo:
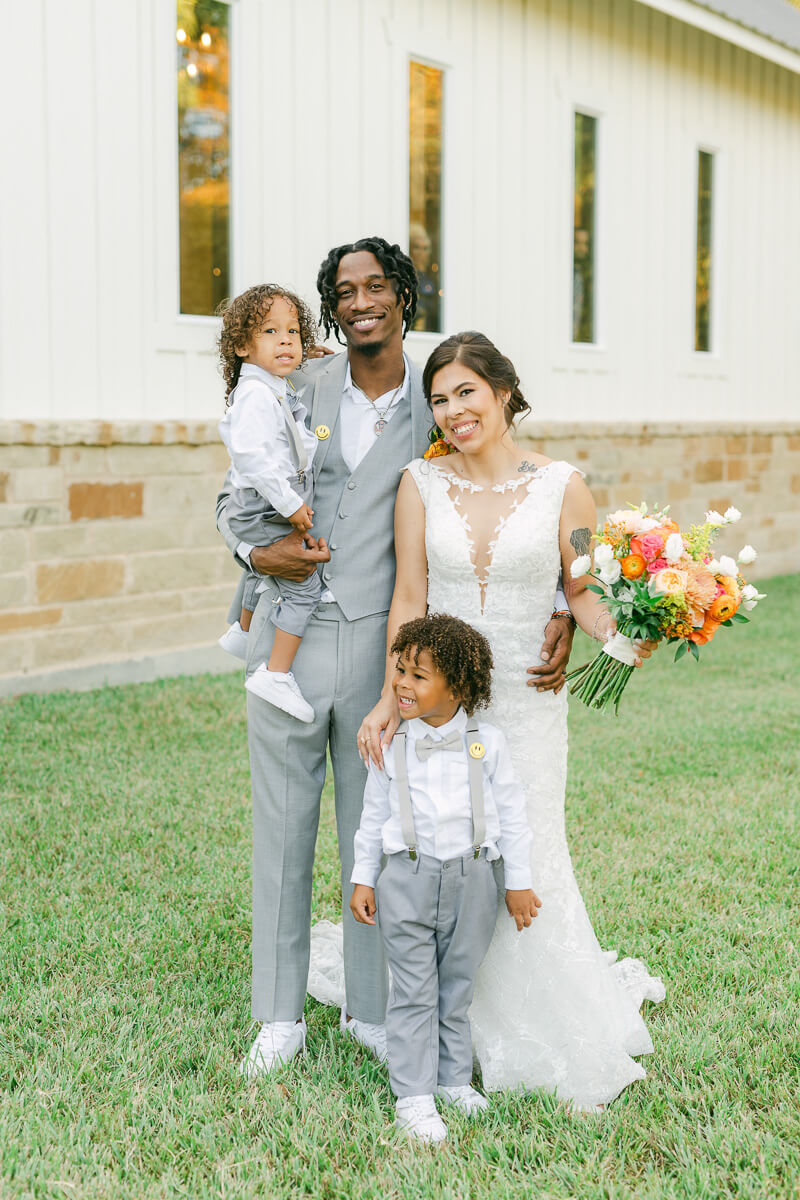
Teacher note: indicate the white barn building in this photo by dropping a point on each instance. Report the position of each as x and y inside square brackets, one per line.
[606, 187]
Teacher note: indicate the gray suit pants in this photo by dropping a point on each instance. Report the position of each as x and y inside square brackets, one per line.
[339, 667]
[436, 921]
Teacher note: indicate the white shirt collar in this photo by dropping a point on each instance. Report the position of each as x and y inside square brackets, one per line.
[419, 728]
[276, 383]
[358, 397]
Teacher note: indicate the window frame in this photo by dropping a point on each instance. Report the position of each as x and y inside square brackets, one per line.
[175, 330]
[598, 270]
[426, 61]
[714, 312]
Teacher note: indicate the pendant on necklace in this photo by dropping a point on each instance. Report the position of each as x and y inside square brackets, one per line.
[379, 426]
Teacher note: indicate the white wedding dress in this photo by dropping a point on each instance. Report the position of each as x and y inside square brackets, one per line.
[551, 1009]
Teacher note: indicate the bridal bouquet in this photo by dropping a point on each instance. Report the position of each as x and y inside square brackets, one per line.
[660, 584]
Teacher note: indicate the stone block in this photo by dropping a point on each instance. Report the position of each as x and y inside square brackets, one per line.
[185, 629]
[4, 487]
[678, 490]
[13, 548]
[793, 441]
[60, 541]
[217, 597]
[120, 609]
[708, 470]
[168, 460]
[95, 644]
[181, 495]
[14, 590]
[736, 445]
[170, 571]
[89, 461]
[761, 443]
[63, 582]
[795, 484]
[17, 457]
[32, 618]
[21, 516]
[90, 501]
[735, 468]
[15, 655]
[35, 484]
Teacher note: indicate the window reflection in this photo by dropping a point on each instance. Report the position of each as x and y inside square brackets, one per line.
[425, 191]
[203, 154]
[702, 317]
[583, 256]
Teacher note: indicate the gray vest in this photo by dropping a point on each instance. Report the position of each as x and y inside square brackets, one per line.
[355, 512]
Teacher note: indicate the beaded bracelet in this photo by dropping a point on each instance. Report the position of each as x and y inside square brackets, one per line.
[600, 615]
[562, 612]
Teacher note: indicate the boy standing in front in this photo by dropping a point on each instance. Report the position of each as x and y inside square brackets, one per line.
[444, 809]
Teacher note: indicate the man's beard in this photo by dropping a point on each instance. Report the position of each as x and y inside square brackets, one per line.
[370, 350]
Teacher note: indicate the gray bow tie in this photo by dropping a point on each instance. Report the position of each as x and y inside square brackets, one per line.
[426, 746]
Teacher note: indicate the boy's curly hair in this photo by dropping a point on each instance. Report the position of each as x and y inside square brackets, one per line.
[458, 651]
[243, 318]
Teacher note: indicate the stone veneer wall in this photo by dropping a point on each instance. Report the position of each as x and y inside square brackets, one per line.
[111, 568]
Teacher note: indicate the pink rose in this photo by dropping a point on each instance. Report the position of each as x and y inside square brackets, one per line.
[658, 564]
[649, 545]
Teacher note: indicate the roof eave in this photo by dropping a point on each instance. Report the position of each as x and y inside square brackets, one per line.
[729, 31]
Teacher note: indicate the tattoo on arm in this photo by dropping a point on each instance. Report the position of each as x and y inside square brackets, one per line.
[580, 540]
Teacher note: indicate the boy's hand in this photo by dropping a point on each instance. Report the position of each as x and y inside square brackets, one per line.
[522, 904]
[302, 519]
[362, 904]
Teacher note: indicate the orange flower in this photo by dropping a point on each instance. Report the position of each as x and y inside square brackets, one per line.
[705, 634]
[438, 448]
[701, 586]
[632, 566]
[723, 608]
[731, 586]
[668, 582]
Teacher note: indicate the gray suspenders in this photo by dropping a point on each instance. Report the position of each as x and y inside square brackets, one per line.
[475, 755]
[292, 431]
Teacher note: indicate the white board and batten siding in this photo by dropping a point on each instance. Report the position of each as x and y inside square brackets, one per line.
[89, 246]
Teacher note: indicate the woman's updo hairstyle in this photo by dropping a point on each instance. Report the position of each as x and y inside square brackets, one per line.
[481, 356]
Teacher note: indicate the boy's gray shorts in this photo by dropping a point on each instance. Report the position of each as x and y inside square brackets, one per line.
[256, 522]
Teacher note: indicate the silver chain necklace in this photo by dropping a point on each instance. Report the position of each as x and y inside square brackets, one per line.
[381, 422]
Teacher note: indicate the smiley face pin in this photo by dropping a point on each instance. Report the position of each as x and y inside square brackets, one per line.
[476, 750]
[322, 433]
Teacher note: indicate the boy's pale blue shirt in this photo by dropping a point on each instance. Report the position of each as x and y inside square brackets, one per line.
[440, 799]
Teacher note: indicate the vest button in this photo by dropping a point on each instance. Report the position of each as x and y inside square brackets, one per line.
[343, 516]
[333, 546]
[351, 486]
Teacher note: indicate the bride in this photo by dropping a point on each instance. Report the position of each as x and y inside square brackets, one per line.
[483, 534]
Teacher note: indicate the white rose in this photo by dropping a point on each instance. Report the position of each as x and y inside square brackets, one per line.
[580, 566]
[603, 554]
[714, 518]
[648, 523]
[611, 572]
[752, 593]
[732, 515]
[715, 567]
[727, 566]
[747, 555]
[673, 548]
[749, 605]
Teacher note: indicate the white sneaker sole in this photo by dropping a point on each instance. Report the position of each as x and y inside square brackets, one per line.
[234, 642]
[259, 687]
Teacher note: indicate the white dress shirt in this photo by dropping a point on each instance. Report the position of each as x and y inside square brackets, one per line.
[254, 432]
[358, 414]
[440, 800]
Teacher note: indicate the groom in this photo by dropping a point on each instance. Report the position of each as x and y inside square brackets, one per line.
[370, 416]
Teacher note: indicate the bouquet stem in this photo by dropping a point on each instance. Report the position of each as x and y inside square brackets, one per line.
[601, 682]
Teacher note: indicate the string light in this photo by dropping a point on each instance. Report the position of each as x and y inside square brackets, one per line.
[191, 70]
[181, 36]
[206, 39]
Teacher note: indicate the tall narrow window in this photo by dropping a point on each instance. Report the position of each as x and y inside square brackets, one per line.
[203, 154]
[583, 230]
[425, 191]
[703, 277]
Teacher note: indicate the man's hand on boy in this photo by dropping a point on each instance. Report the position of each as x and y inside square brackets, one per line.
[292, 557]
[302, 519]
[523, 905]
[362, 904]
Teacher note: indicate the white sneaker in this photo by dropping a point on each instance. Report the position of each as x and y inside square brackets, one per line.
[416, 1117]
[234, 641]
[281, 690]
[371, 1036]
[465, 1098]
[277, 1043]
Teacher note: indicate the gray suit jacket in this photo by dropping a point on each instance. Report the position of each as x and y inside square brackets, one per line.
[355, 511]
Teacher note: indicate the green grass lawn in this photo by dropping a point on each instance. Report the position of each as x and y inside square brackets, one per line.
[125, 868]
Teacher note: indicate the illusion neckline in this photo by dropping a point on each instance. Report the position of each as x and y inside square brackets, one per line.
[508, 485]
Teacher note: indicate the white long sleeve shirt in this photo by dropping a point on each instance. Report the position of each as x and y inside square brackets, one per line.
[440, 801]
[254, 432]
